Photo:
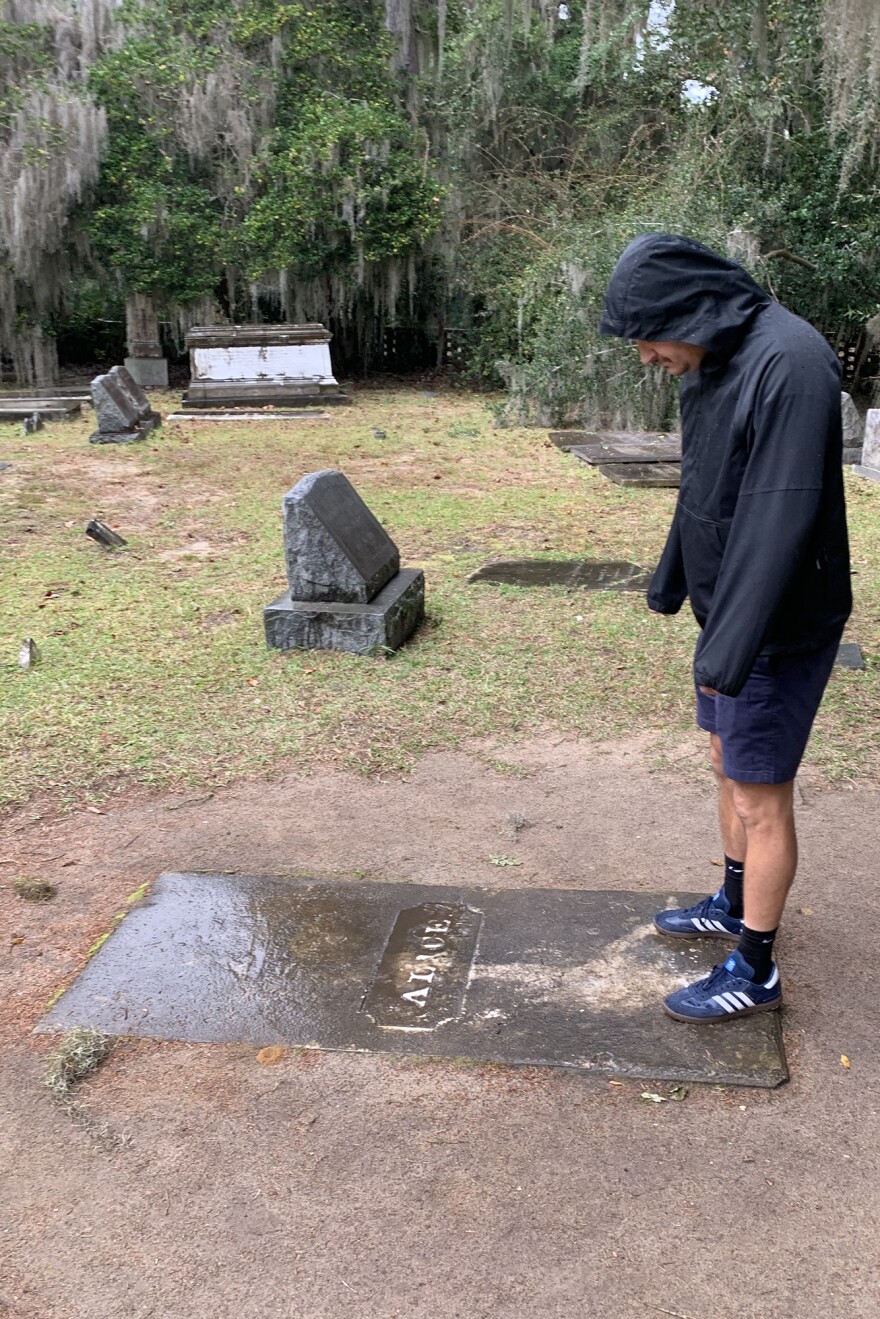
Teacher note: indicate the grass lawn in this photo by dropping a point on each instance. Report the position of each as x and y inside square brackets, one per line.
[154, 666]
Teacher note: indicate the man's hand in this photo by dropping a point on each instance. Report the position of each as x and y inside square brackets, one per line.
[710, 691]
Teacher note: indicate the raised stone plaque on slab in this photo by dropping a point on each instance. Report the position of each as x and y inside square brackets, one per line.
[645, 449]
[658, 475]
[587, 439]
[424, 971]
[544, 977]
[583, 574]
[870, 464]
[336, 550]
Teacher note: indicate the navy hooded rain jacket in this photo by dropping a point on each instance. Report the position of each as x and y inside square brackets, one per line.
[759, 539]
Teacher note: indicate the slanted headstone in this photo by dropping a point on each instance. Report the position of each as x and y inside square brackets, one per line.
[347, 590]
[122, 410]
[852, 430]
[870, 464]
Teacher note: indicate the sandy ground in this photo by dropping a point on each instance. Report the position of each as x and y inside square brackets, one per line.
[333, 1185]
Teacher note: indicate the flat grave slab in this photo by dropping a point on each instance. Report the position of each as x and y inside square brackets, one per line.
[583, 574]
[648, 475]
[647, 449]
[579, 439]
[849, 656]
[52, 410]
[540, 977]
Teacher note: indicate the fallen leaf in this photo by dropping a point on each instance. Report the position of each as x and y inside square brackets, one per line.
[716, 863]
[652, 1098]
[16, 940]
[271, 1055]
[806, 911]
[94, 810]
[845, 1062]
[678, 1092]
[504, 861]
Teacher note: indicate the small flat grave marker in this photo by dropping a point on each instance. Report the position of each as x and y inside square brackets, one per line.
[582, 574]
[633, 449]
[849, 656]
[541, 977]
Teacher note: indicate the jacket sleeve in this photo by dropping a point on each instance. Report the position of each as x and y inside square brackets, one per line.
[772, 527]
[668, 589]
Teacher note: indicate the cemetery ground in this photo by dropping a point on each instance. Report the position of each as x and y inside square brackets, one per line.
[524, 738]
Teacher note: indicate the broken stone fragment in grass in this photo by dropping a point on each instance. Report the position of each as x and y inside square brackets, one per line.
[34, 890]
[104, 535]
[29, 654]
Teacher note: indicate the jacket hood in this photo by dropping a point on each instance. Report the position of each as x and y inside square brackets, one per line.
[672, 288]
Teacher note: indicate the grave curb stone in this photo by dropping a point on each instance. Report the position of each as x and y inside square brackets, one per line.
[383, 623]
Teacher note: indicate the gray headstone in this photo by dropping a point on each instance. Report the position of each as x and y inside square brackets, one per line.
[115, 409]
[849, 656]
[336, 550]
[871, 445]
[851, 421]
[133, 390]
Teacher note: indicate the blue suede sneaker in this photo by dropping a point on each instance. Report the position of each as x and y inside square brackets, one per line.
[728, 991]
[710, 918]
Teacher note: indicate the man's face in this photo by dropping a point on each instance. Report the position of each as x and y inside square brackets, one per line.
[675, 358]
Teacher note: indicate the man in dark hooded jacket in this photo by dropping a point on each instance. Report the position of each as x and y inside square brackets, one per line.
[759, 544]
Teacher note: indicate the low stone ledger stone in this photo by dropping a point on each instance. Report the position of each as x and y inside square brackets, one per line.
[646, 475]
[347, 590]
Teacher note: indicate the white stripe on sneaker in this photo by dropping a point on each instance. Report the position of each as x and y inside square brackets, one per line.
[701, 925]
[774, 979]
[719, 926]
[721, 1000]
[744, 999]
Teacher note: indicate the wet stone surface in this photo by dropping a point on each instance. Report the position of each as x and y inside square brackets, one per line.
[583, 574]
[546, 977]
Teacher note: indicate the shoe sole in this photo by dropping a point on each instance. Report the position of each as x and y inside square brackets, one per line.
[698, 934]
[728, 1016]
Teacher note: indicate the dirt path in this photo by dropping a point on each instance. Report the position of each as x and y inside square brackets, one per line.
[330, 1185]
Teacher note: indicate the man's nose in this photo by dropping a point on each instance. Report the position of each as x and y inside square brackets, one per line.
[647, 355]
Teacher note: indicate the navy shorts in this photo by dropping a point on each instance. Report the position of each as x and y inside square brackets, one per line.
[764, 730]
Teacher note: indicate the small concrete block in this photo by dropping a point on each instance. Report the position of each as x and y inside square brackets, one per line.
[852, 457]
[849, 656]
[658, 475]
[335, 549]
[361, 629]
[148, 372]
[871, 445]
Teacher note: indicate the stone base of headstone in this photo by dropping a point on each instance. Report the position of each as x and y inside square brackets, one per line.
[148, 372]
[266, 414]
[852, 456]
[361, 629]
[139, 432]
[872, 473]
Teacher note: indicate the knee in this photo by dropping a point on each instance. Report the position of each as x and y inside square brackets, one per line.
[762, 805]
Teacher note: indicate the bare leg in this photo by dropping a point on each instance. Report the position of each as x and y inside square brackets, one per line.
[766, 814]
[733, 834]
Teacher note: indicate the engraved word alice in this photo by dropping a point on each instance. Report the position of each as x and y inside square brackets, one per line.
[428, 962]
